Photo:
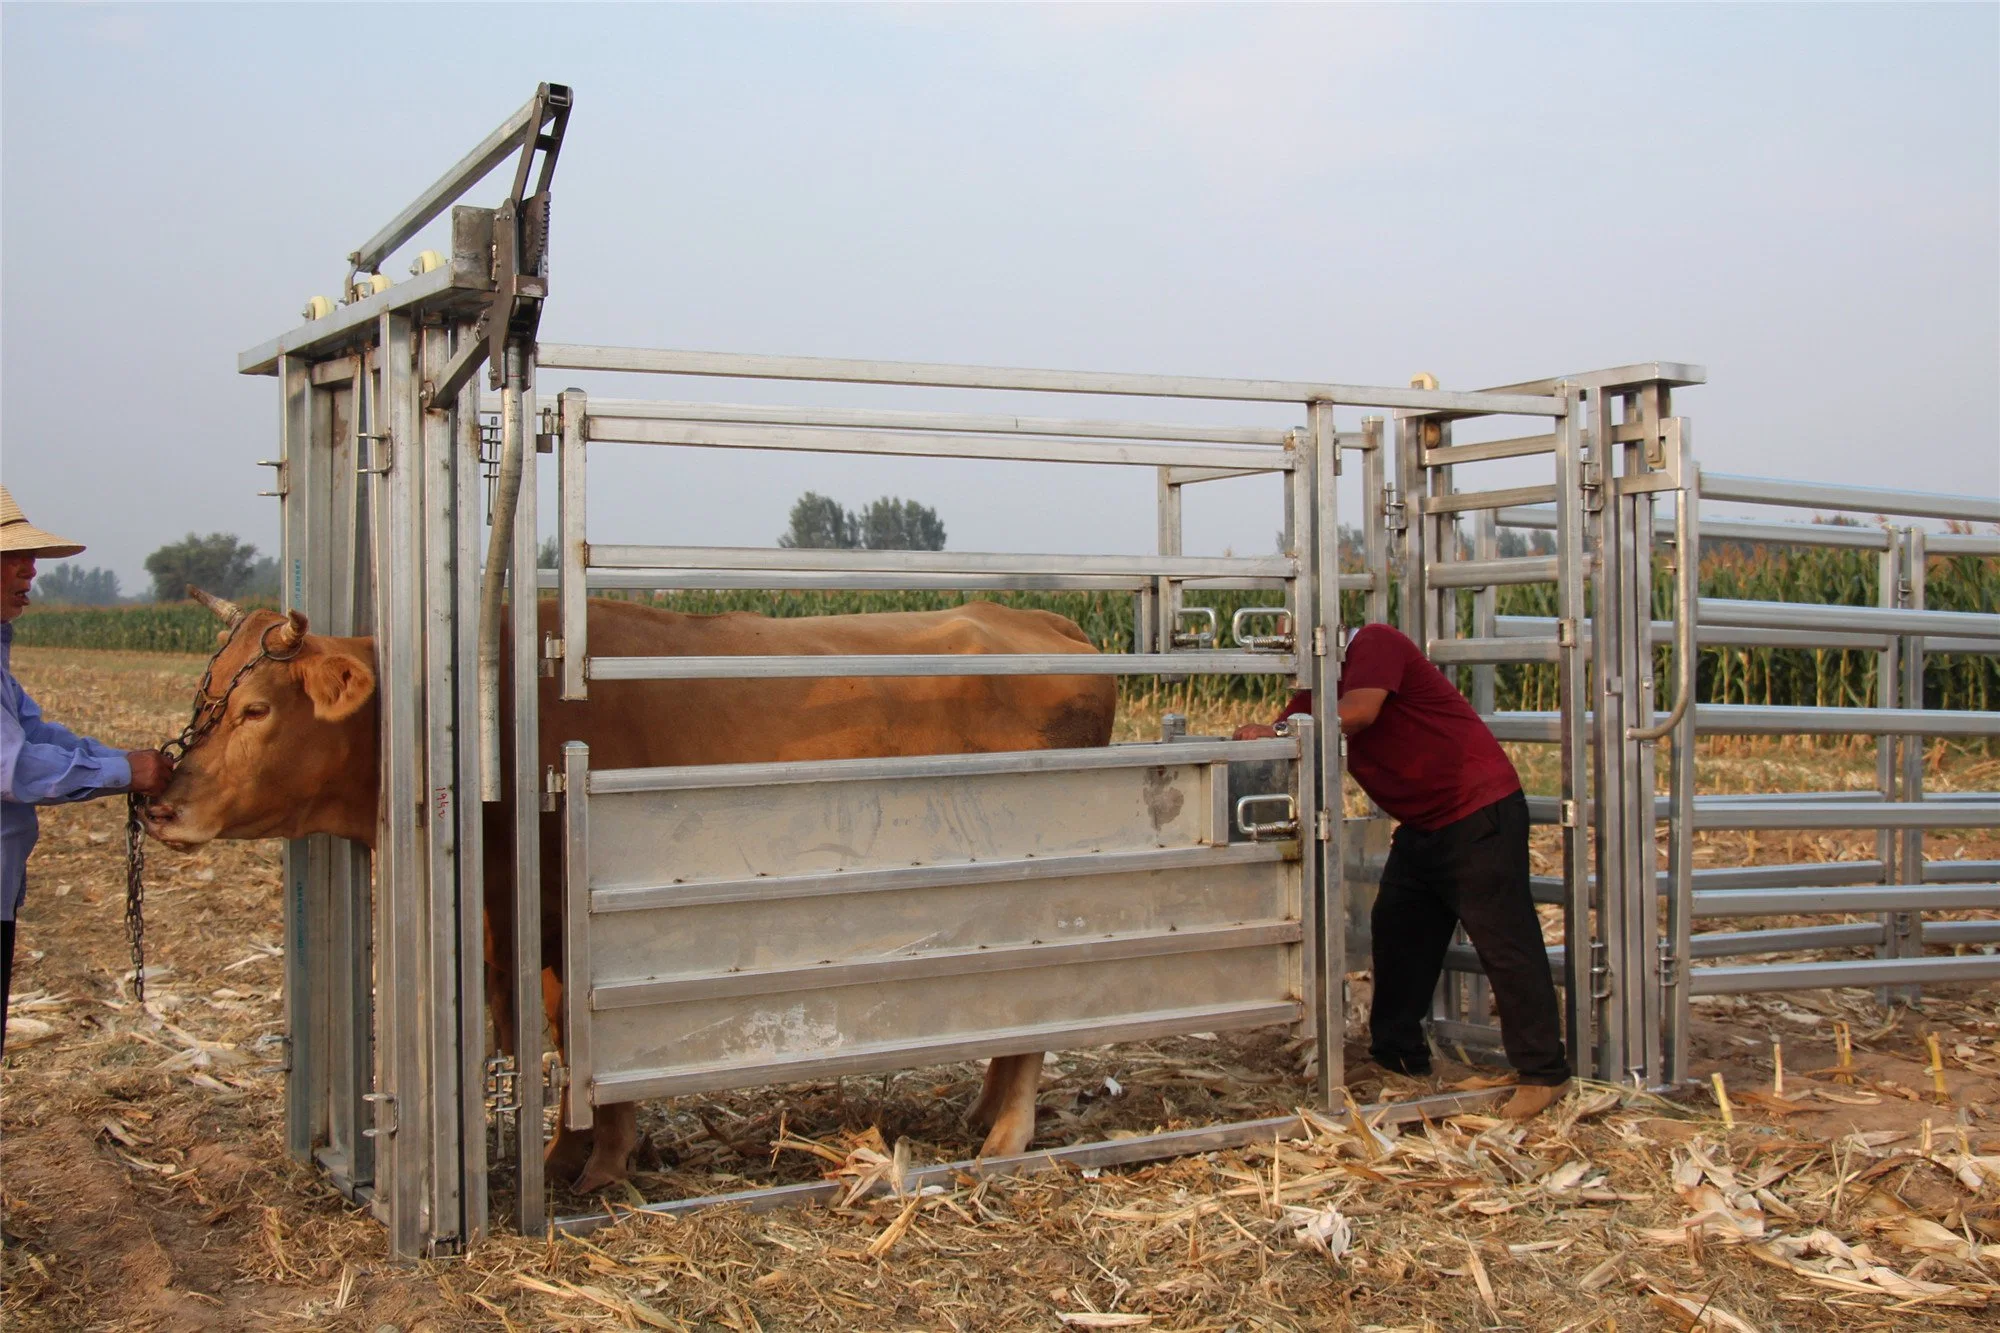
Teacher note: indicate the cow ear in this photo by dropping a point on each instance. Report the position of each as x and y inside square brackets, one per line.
[337, 684]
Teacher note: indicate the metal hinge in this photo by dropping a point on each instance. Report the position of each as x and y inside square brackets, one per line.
[1600, 975]
[553, 785]
[503, 1087]
[553, 647]
[285, 1054]
[282, 477]
[386, 1102]
[1566, 632]
[1567, 818]
[555, 1076]
[1319, 641]
[1591, 483]
[545, 438]
[1394, 518]
[1669, 965]
[383, 452]
[1324, 826]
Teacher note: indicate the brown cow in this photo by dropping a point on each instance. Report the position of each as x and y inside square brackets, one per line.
[296, 753]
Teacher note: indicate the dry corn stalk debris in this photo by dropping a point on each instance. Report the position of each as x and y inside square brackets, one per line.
[145, 1181]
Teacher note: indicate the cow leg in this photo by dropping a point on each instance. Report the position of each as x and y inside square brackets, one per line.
[614, 1149]
[1011, 1082]
[566, 1153]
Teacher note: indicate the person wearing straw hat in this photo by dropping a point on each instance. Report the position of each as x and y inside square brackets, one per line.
[42, 763]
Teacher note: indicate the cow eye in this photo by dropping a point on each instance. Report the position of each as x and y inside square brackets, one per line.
[254, 711]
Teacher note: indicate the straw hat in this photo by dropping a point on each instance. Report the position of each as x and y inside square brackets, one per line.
[17, 534]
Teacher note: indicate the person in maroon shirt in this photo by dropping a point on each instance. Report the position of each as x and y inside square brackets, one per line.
[1460, 856]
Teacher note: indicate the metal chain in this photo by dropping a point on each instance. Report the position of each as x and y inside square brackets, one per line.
[208, 711]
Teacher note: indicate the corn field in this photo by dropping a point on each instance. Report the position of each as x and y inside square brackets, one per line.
[1823, 677]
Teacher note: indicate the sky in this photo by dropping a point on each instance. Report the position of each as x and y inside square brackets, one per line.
[1804, 199]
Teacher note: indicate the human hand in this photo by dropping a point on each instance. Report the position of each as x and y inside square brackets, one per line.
[1255, 731]
[150, 771]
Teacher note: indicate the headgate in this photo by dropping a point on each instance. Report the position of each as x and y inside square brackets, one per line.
[985, 904]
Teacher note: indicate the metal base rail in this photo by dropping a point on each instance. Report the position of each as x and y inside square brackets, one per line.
[1081, 1156]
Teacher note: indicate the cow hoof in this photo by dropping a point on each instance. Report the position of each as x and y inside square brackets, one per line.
[1009, 1136]
[567, 1154]
[603, 1170]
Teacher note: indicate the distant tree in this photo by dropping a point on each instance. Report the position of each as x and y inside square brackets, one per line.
[1515, 542]
[220, 563]
[549, 554]
[263, 580]
[894, 524]
[820, 524]
[74, 583]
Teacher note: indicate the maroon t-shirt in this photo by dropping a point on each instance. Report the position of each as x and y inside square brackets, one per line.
[1427, 758]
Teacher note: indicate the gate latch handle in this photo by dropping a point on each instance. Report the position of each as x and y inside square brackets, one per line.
[1278, 830]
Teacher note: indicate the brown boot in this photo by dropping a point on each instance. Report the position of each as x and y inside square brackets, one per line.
[1531, 1099]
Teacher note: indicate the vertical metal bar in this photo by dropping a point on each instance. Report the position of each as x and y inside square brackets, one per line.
[1478, 999]
[436, 484]
[1409, 555]
[1168, 594]
[1905, 937]
[303, 503]
[404, 1078]
[1303, 498]
[1374, 519]
[1485, 608]
[572, 533]
[467, 532]
[1607, 751]
[1680, 832]
[351, 1008]
[1888, 692]
[1573, 703]
[1324, 746]
[1644, 1021]
[524, 791]
[576, 931]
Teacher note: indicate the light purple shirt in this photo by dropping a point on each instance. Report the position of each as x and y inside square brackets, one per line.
[40, 764]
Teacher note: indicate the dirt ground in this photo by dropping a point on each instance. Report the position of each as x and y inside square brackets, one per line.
[146, 1187]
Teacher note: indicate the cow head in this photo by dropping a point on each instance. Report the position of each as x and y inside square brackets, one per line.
[293, 748]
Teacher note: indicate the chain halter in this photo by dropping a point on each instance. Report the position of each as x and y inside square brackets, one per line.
[209, 710]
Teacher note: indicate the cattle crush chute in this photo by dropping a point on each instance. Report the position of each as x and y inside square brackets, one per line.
[991, 904]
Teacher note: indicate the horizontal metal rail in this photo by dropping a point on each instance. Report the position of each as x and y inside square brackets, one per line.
[668, 580]
[1491, 573]
[932, 963]
[1770, 720]
[736, 365]
[1869, 537]
[1872, 898]
[1734, 813]
[1193, 663]
[1845, 972]
[1960, 872]
[965, 423]
[1019, 449]
[1813, 616]
[1715, 636]
[1859, 499]
[1080, 1156]
[646, 1085]
[1521, 446]
[684, 777]
[1477, 651]
[1786, 939]
[1466, 501]
[1961, 932]
[355, 318]
[937, 562]
[966, 874]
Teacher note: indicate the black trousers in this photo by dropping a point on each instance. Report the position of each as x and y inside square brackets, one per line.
[6, 977]
[1473, 871]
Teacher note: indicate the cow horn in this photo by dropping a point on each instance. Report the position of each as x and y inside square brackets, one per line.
[287, 633]
[230, 612]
